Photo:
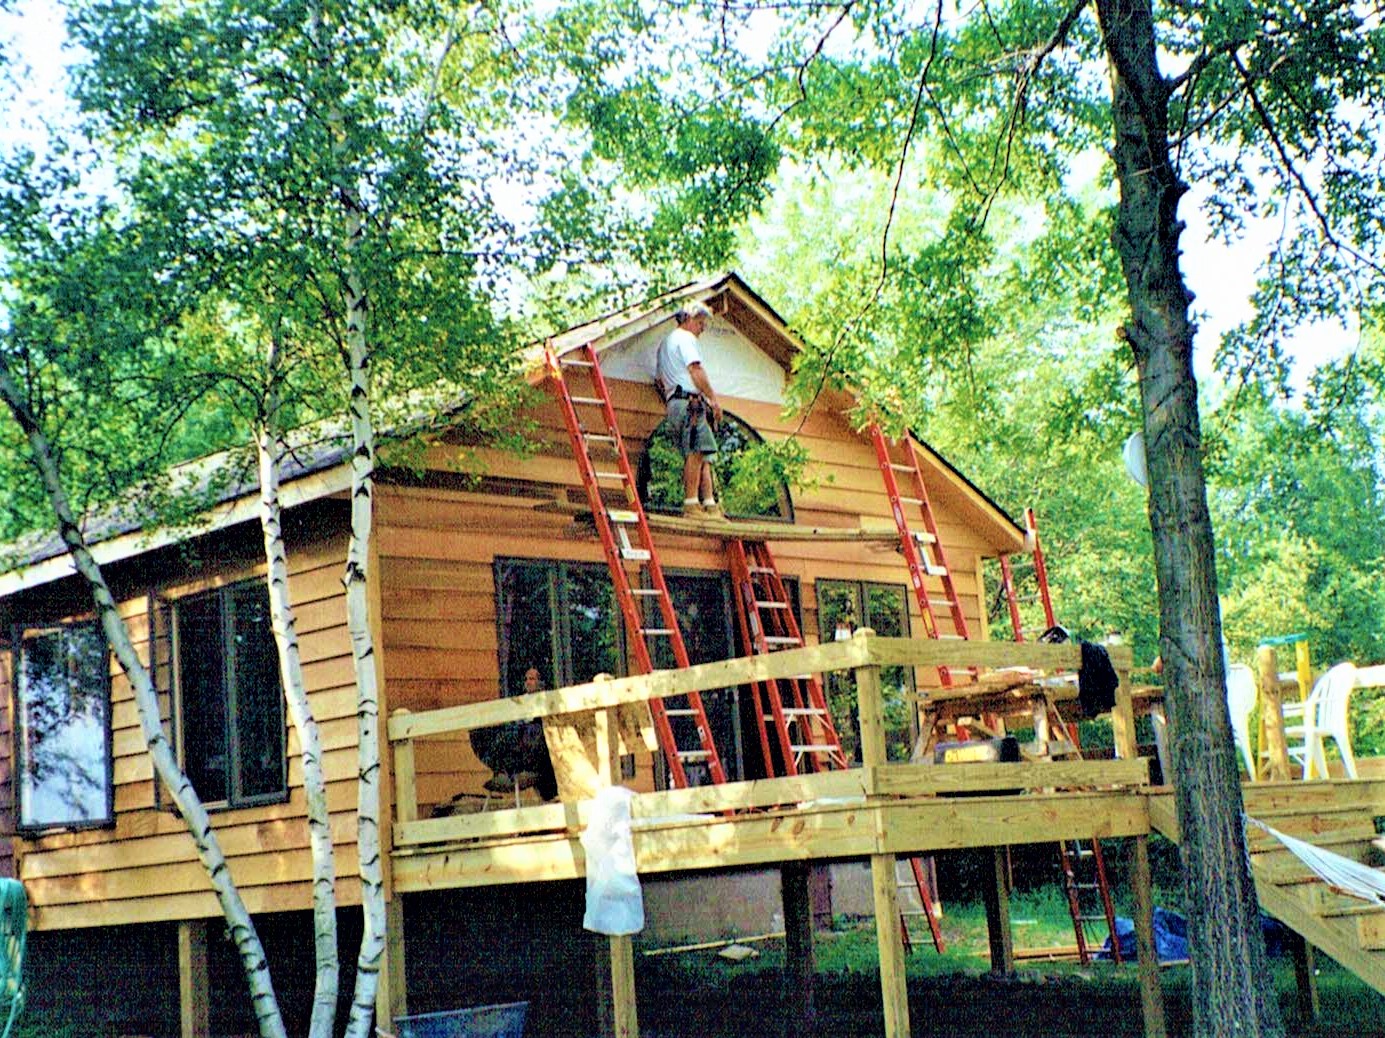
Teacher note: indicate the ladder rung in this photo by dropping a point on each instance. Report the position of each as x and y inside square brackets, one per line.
[610, 475]
[635, 554]
[621, 515]
[899, 466]
[761, 570]
[817, 747]
[603, 437]
[662, 632]
[803, 711]
[911, 500]
[572, 362]
[771, 605]
[693, 754]
[781, 639]
[681, 711]
[649, 591]
[589, 401]
[945, 603]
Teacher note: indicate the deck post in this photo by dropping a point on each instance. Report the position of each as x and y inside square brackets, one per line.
[194, 979]
[1306, 974]
[799, 1010]
[391, 998]
[621, 1009]
[1272, 713]
[1123, 719]
[884, 885]
[1151, 993]
[997, 897]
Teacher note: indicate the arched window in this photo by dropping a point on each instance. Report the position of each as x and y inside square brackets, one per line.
[748, 478]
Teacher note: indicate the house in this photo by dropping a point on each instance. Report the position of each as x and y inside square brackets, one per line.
[486, 565]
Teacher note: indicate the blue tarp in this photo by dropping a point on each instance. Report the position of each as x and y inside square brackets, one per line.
[1171, 937]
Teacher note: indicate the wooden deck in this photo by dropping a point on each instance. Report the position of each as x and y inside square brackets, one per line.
[878, 811]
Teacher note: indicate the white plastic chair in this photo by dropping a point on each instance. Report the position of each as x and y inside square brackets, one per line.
[1240, 703]
[1322, 715]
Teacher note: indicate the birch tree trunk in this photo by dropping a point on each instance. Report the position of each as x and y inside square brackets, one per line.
[1231, 989]
[242, 927]
[269, 441]
[362, 642]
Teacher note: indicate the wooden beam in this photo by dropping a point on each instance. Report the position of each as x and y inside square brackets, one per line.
[997, 897]
[194, 979]
[391, 997]
[778, 530]
[1272, 714]
[1305, 976]
[1123, 719]
[1151, 994]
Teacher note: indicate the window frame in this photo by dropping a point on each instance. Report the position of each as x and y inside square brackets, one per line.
[18, 636]
[234, 798]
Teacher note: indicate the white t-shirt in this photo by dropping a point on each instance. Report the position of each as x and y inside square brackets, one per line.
[676, 352]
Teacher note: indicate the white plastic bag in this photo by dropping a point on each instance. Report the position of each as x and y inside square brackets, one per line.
[614, 902]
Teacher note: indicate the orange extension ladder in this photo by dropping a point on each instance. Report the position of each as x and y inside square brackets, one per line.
[684, 733]
[1007, 581]
[794, 724]
[923, 552]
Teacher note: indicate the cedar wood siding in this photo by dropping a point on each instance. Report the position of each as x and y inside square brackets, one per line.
[145, 868]
[437, 548]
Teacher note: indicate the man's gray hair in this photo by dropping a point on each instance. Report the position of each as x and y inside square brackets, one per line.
[689, 311]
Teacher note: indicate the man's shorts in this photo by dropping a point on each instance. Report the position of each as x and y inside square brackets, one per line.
[695, 437]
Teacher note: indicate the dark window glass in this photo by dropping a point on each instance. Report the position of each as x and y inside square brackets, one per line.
[64, 728]
[524, 608]
[843, 606]
[231, 701]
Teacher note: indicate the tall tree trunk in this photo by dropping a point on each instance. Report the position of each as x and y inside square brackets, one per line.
[1231, 989]
[270, 448]
[242, 927]
[362, 643]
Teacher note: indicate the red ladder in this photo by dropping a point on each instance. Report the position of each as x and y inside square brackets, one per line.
[1007, 580]
[923, 552]
[626, 539]
[797, 726]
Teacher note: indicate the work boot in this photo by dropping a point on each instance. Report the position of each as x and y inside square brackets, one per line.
[712, 510]
[694, 510]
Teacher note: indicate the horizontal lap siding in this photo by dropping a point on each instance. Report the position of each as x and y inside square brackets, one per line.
[437, 547]
[146, 868]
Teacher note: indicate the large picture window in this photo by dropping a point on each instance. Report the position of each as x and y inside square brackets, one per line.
[230, 700]
[561, 618]
[843, 606]
[63, 700]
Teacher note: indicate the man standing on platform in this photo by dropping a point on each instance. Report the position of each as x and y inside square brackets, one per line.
[693, 408]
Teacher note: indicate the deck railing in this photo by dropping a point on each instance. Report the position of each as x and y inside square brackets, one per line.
[595, 722]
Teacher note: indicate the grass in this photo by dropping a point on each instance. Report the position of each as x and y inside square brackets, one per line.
[698, 995]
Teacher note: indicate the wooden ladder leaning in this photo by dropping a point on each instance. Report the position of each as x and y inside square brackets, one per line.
[684, 733]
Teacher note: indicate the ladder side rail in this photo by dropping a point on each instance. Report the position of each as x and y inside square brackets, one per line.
[1040, 568]
[1108, 907]
[1007, 579]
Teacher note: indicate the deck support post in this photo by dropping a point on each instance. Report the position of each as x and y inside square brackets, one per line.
[1151, 993]
[391, 998]
[1123, 720]
[194, 979]
[997, 897]
[799, 967]
[884, 884]
[1306, 974]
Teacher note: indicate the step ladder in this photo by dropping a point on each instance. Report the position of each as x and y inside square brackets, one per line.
[1007, 580]
[923, 551]
[684, 733]
[794, 723]
[911, 877]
